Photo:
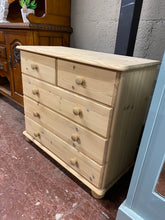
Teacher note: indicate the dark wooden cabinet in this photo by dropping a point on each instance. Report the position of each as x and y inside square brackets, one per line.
[49, 26]
[13, 39]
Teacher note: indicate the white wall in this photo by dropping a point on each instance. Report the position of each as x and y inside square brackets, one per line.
[94, 24]
[150, 42]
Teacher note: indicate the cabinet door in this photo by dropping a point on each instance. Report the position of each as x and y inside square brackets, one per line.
[46, 38]
[14, 38]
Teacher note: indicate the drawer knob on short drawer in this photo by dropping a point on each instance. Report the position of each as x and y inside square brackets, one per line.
[36, 114]
[79, 80]
[75, 137]
[35, 92]
[36, 134]
[73, 161]
[76, 111]
[34, 66]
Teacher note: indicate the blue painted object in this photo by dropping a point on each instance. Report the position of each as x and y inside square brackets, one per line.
[142, 201]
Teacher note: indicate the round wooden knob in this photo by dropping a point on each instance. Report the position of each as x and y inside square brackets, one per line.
[34, 66]
[73, 161]
[76, 111]
[37, 134]
[36, 114]
[79, 80]
[75, 137]
[35, 92]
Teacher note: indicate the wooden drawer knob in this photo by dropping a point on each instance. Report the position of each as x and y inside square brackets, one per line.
[37, 134]
[36, 114]
[35, 92]
[75, 137]
[79, 80]
[34, 66]
[73, 161]
[76, 111]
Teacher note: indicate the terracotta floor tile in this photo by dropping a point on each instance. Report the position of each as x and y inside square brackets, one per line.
[34, 186]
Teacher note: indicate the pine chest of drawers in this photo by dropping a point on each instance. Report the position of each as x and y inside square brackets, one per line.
[86, 109]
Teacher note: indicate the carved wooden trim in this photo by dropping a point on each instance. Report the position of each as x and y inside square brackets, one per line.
[49, 27]
[16, 55]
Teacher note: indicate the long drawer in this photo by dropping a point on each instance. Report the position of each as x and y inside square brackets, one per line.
[79, 162]
[93, 82]
[80, 138]
[87, 113]
[39, 66]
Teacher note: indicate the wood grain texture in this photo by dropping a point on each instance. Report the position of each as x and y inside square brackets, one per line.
[110, 130]
[104, 60]
[3, 66]
[49, 19]
[97, 83]
[11, 1]
[66, 152]
[93, 115]
[14, 38]
[57, 7]
[51, 38]
[50, 26]
[56, 12]
[2, 52]
[2, 37]
[39, 66]
[88, 142]
[14, 26]
[99, 191]
[128, 121]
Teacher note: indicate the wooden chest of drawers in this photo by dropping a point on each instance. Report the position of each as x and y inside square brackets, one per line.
[86, 109]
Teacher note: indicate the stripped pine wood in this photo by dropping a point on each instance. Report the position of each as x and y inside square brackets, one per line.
[92, 82]
[103, 60]
[39, 66]
[89, 115]
[87, 142]
[92, 115]
[128, 121]
[67, 153]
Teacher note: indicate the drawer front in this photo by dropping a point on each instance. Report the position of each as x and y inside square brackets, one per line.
[92, 82]
[82, 139]
[39, 66]
[2, 37]
[81, 110]
[3, 67]
[75, 159]
[2, 52]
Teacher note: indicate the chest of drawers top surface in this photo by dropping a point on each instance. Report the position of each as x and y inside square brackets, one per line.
[104, 60]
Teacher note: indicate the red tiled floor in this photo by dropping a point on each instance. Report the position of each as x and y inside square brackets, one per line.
[160, 188]
[33, 186]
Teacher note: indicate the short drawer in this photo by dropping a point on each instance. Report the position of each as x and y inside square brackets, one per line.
[39, 66]
[3, 67]
[87, 113]
[93, 82]
[2, 37]
[2, 52]
[72, 157]
[80, 138]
